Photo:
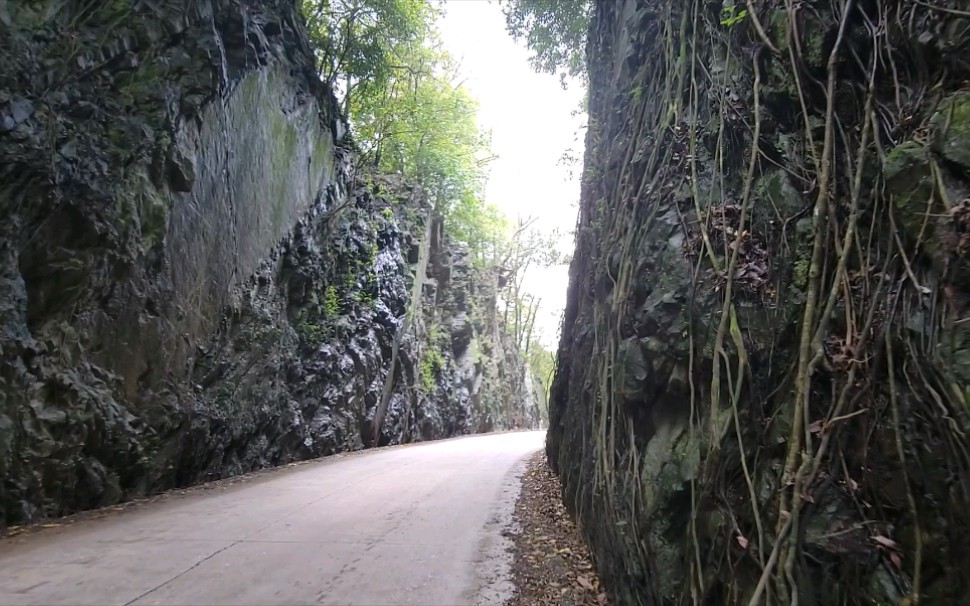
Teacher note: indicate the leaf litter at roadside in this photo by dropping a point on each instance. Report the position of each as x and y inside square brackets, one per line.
[552, 566]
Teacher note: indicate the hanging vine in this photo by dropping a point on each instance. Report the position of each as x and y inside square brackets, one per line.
[762, 392]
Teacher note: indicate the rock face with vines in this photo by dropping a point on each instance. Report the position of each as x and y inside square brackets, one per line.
[763, 388]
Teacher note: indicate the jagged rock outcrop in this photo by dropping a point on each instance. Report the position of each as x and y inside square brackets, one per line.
[193, 281]
[763, 388]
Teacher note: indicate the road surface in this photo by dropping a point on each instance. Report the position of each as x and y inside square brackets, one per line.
[410, 525]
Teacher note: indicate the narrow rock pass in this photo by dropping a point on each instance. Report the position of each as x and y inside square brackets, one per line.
[420, 524]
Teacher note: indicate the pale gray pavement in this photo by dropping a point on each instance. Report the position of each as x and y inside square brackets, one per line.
[411, 525]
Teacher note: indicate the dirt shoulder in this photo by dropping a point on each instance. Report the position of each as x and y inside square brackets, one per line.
[551, 562]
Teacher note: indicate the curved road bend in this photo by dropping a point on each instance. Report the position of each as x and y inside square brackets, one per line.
[414, 525]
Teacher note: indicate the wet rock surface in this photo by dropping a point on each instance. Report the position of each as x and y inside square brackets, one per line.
[194, 282]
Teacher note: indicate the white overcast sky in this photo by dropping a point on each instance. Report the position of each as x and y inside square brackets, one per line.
[532, 122]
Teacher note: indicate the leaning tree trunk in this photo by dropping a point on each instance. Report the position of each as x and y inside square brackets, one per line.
[764, 374]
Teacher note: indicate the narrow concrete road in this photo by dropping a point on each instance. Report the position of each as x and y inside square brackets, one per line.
[411, 525]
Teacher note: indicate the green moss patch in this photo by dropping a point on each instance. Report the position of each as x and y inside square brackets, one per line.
[951, 128]
[909, 178]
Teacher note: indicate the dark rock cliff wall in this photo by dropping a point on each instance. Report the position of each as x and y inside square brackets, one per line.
[763, 387]
[193, 283]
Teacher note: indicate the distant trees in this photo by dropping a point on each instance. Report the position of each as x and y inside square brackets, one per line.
[542, 364]
[527, 247]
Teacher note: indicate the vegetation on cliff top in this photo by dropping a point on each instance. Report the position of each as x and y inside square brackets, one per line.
[408, 111]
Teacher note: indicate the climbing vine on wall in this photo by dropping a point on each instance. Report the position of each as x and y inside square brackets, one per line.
[762, 395]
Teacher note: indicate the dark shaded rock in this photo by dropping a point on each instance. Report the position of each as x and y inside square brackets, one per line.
[193, 284]
[688, 423]
[181, 170]
[16, 112]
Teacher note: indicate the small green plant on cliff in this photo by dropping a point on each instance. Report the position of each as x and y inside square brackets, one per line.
[331, 304]
[636, 94]
[434, 333]
[732, 15]
[362, 297]
[314, 333]
[431, 362]
[349, 279]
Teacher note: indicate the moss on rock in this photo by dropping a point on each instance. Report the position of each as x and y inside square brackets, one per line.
[149, 205]
[775, 190]
[777, 27]
[909, 178]
[951, 128]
